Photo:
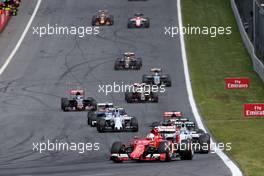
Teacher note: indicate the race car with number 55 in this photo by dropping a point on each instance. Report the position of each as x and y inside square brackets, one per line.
[77, 102]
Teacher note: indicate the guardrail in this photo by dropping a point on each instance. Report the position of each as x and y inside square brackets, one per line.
[257, 64]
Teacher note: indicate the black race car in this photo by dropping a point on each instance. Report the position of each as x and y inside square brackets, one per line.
[141, 94]
[77, 102]
[128, 61]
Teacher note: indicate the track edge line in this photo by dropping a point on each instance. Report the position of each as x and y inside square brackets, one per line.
[228, 162]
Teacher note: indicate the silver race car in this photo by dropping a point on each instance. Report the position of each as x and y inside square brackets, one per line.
[116, 120]
[157, 78]
[92, 116]
[201, 140]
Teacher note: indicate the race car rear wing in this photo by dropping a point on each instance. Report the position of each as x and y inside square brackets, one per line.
[186, 124]
[155, 70]
[166, 128]
[172, 114]
[104, 105]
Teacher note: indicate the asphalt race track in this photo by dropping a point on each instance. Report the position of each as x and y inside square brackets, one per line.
[35, 80]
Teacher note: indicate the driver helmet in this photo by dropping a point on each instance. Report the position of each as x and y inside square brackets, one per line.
[151, 136]
[78, 96]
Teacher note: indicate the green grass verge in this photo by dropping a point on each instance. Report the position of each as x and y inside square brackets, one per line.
[211, 60]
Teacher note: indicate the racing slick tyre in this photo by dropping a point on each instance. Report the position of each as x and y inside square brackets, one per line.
[64, 103]
[155, 97]
[145, 79]
[129, 97]
[129, 24]
[91, 102]
[111, 20]
[186, 152]
[93, 118]
[117, 66]
[116, 149]
[101, 125]
[134, 124]
[168, 81]
[94, 19]
[139, 63]
[200, 131]
[89, 118]
[163, 148]
[204, 143]
[147, 23]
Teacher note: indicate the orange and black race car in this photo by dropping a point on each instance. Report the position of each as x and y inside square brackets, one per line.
[103, 19]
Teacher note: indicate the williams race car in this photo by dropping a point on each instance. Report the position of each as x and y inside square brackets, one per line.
[157, 78]
[152, 148]
[103, 19]
[101, 109]
[138, 21]
[141, 93]
[128, 61]
[201, 140]
[116, 120]
[77, 102]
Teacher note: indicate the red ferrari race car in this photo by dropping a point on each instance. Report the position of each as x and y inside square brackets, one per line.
[77, 102]
[152, 148]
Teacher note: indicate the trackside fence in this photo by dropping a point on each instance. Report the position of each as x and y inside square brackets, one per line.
[257, 64]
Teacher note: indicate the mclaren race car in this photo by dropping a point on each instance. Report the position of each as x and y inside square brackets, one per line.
[157, 78]
[200, 138]
[138, 21]
[77, 102]
[141, 93]
[128, 61]
[152, 148]
[103, 19]
[116, 120]
[102, 108]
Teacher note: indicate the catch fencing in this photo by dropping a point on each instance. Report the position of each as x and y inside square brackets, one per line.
[251, 26]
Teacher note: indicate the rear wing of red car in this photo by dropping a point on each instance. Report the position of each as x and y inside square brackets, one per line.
[172, 114]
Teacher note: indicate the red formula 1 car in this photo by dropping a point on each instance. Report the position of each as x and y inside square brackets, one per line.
[152, 148]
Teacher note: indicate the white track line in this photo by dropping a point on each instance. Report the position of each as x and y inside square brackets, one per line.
[228, 162]
[8, 60]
